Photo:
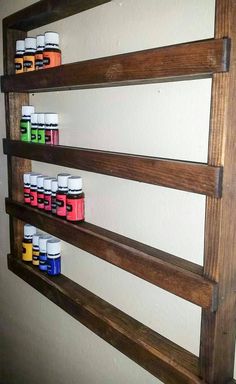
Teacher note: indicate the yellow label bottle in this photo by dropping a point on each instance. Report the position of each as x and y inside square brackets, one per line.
[27, 243]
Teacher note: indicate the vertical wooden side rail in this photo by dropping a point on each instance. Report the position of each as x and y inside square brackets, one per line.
[218, 329]
[13, 103]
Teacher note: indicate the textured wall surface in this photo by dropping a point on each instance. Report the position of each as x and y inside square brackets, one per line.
[39, 341]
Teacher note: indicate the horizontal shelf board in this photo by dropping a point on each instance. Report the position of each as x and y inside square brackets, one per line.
[47, 11]
[187, 176]
[188, 60]
[156, 354]
[168, 272]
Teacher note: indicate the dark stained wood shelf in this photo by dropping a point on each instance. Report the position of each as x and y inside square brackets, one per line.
[187, 176]
[158, 355]
[176, 275]
[47, 11]
[189, 60]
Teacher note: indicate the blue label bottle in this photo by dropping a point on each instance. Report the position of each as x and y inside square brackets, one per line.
[54, 257]
[43, 252]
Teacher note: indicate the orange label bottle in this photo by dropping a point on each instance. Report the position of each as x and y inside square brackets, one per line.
[51, 53]
[39, 52]
[29, 55]
[20, 49]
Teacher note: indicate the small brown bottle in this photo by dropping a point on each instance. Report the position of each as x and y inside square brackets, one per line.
[20, 49]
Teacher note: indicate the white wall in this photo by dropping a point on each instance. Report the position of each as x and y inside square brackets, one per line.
[40, 341]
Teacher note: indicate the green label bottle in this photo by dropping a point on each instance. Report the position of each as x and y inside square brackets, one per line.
[41, 128]
[25, 123]
[34, 128]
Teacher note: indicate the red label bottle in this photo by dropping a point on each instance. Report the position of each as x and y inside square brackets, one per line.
[75, 199]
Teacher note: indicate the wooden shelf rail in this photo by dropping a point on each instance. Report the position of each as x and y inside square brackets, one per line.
[158, 355]
[47, 11]
[188, 60]
[178, 276]
[187, 176]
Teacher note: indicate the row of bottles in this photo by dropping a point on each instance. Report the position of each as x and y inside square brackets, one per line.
[62, 196]
[37, 53]
[42, 250]
[38, 127]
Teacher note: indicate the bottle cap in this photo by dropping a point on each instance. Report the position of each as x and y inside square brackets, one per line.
[53, 248]
[54, 185]
[43, 243]
[74, 184]
[36, 239]
[41, 118]
[51, 38]
[34, 118]
[62, 179]
[40, 41]
[26, 177]
[33, 178]
[30, 43]
[29, 231]
[20, 45]
[47, 183]
[51, 118]
[40, 180]
[27, 110]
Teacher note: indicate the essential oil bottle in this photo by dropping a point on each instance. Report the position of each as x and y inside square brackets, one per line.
[54, 193]
[35, 257]
[51, 129]
[34, 127]
[33, 189]
[43, 252]
[20, 49]
[29, 54]
[52, 52]
[26, 179]
[40, 192]
[54, 257]
[75, 199]
[62, 179]
[27, 243]
[41, 128]
[25, 123]
[47, 185]
[39, 52]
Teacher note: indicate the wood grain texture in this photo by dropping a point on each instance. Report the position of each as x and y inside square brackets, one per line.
[13, 103]
[188, 60]
[47, 11]
[218, 329]
[188, 176]
[171, 273]
[158, 355]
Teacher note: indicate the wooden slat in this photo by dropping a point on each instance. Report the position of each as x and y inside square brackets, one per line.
[47, 11]
[188, 60]
[158, 355]
[171, 273]
[218, 330]
[188, 176]
[13, 103]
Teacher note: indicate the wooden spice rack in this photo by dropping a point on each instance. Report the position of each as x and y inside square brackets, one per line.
[212, 286]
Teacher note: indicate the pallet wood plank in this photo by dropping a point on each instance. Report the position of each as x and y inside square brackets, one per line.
[218, 330]
[188, 176]
[169, 272]
[13, 103]
[47, 11]
[187, 60]
[158, 355]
